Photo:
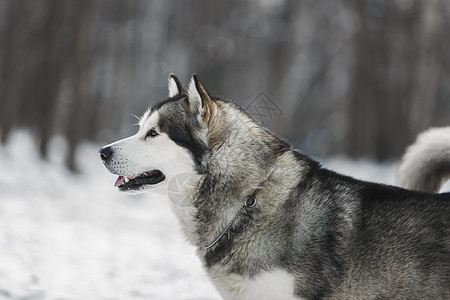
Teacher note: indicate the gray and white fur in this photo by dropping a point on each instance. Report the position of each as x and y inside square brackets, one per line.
[312, 233]
[426, 164]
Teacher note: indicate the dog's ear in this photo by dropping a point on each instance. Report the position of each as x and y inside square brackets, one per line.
[206, 110]
[175, 86]
[198, 97]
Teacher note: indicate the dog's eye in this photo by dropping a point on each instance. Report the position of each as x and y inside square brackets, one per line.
[152, 133]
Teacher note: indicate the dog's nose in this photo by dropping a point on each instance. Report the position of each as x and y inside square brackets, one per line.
[105, 153]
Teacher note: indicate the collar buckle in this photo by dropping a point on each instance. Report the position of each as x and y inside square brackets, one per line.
[250, 201]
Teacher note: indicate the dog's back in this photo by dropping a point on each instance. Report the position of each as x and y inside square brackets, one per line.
[397, 245]
[405, 243]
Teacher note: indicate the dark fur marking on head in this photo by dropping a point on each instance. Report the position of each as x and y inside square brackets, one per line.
[166, 101]
[180, 133]
[181, 126]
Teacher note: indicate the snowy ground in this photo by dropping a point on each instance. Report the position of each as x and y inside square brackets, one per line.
[65, 236]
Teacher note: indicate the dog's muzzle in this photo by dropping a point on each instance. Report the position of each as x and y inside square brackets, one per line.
[128, 183]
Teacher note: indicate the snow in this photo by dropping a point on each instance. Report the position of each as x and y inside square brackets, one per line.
[364, 169]
[65, 236]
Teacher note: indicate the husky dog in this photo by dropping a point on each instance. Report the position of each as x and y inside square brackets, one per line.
[269, 222]
[426, 164]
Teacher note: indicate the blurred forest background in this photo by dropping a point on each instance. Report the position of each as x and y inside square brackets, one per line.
[360, 77]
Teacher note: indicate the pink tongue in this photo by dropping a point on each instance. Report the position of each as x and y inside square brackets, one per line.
[119, 181]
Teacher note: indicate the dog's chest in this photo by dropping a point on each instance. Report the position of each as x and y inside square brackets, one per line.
[266, 286]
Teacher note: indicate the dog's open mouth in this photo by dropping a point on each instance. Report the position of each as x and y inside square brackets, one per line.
[135, 183]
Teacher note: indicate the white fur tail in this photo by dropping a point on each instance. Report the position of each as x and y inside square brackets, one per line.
[426, 163]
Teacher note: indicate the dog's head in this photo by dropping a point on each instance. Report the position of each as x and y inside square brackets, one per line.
[173, 137]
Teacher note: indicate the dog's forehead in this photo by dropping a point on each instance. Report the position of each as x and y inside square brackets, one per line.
[149, 119]
[170, 111]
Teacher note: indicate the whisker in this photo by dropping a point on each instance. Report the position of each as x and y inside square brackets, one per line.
[137, 118]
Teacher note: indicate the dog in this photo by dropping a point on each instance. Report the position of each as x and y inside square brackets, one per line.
[269, 222]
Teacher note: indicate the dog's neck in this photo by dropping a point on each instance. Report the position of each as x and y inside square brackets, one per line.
[246, 151]
[246, 157]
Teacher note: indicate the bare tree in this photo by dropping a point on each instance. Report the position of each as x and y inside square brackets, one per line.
[363, 77]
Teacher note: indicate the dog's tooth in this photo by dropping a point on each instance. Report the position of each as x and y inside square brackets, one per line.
[127, 179]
